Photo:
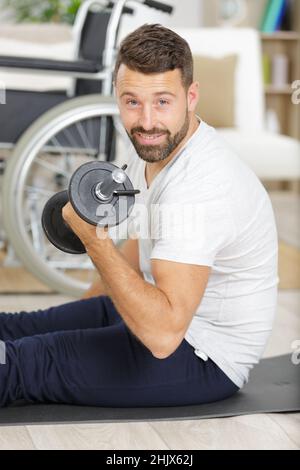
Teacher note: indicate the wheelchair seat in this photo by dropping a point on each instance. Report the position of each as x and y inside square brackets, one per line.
[22, 109]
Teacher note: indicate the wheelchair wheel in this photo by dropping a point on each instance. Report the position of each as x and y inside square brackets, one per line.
[43, 160]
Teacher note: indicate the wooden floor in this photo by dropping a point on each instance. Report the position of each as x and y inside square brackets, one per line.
[260, 431]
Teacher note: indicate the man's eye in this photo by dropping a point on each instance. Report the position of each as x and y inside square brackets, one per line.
[132, 102]
[162, 102]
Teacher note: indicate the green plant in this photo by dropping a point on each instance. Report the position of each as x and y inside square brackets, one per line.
[44, 10]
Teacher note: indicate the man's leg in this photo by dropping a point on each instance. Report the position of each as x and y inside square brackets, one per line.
[88, 313]
[106, 367]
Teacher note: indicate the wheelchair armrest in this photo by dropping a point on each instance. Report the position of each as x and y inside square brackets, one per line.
[37, 64]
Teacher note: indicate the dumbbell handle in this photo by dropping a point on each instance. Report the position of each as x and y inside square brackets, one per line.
[126, 192]
[106, 188]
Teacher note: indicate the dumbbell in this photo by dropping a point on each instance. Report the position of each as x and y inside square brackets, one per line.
[100, 193]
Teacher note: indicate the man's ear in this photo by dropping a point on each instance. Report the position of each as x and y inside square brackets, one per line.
[114, 91]
[193, 96]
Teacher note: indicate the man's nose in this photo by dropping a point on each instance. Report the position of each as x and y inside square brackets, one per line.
[147, 118]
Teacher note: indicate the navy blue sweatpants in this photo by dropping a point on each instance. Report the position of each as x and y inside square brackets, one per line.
[83, 353]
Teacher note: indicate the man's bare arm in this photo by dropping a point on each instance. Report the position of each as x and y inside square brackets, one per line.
[157, 314]
[130, 251]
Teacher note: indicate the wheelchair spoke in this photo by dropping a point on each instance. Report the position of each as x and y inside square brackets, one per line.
[68, 134]
[58, 147]
[83, 135]
[37, 236]
[90, 130]
[42, 191]
[51, 167]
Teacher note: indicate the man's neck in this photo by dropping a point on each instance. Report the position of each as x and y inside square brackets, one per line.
[152, 169]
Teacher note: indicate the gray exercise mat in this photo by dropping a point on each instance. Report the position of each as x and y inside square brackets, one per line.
[274, 386]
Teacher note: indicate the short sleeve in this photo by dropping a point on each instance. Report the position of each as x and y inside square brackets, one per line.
[191, 230]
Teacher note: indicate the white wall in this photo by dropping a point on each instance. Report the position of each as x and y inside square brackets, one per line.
[187, 13]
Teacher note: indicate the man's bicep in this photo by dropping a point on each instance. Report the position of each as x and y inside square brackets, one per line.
[184, 285]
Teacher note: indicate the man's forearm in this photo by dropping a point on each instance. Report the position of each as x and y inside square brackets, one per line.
[97, 288]
[144, 308]
[129, 249]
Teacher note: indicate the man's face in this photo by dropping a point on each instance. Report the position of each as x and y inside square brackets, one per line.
[155, 111]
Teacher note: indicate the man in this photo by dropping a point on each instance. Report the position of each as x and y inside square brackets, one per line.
[179, 316]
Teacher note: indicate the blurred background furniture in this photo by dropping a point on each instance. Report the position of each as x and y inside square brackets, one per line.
[51, 139]
[228, 64]
[272, 156]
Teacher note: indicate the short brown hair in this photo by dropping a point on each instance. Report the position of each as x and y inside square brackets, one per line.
[152, 48]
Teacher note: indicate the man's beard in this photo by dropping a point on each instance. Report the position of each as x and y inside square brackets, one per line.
[156, 153]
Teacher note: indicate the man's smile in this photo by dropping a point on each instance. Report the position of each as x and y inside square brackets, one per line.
[149, 139]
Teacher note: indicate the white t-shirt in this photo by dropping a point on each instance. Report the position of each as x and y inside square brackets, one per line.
[209, 208]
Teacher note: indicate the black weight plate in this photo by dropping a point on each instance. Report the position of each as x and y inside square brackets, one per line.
[55, 228]
[85, 202]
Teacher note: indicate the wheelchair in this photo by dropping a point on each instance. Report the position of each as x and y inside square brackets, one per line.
[51, 134]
